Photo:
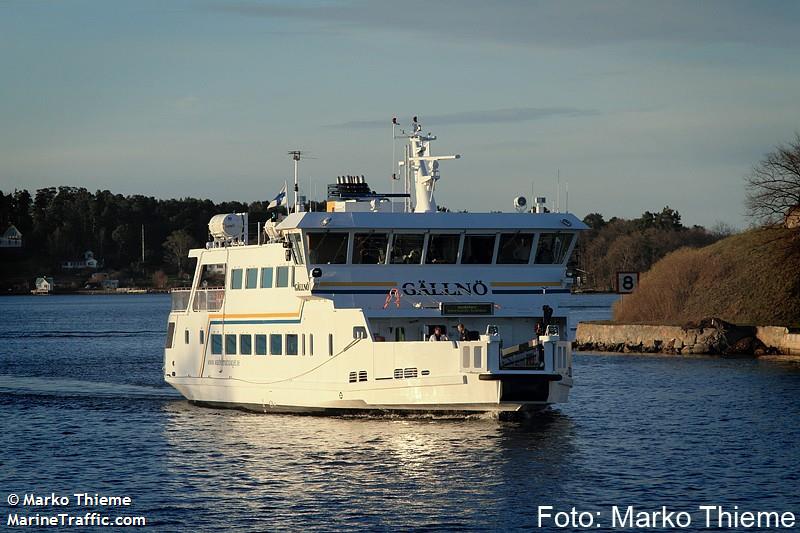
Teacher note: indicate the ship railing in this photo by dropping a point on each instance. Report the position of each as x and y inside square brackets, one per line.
[208, 299]
[180, 298]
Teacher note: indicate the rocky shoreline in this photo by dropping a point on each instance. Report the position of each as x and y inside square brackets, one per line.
[710, 336]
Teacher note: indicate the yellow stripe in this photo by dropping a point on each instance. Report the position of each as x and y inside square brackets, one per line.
[526, 284]
[257, 315]
[358, 283]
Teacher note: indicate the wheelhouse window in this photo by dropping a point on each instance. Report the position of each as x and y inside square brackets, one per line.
[251, 278]
[297, 248]
[266, 278]
[212, 276]
[407, 248]
[515, 248]
[370, 248]
[282, 276]
[327, 248]
[442, 248]
[236, 278]
[478, 249]
[276, 344]
[553, 247]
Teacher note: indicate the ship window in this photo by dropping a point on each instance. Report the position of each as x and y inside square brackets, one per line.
[303, 344]
[275, 344]
[553, 247]
[186, 336]
[291, 344]
[216, 344]
[236, 278]
[251, 278]
[202, 337]
[327, 248]
[261, 345]
[230, 344]
[310, 344]
[297, 248]
[330, 343]
[282, 277]
[515, 248]
[212, 276]
[370, 248]
[170, 334]
[407, 248]
[245, 344]
[359, 332]
[399, 334]
[478, 250]
[442, 249]
[266, 278]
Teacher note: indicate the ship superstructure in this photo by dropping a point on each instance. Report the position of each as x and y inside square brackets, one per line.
[338, 311]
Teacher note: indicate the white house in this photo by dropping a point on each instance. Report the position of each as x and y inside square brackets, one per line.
[44, 285]
[88, 262]
[12, 238]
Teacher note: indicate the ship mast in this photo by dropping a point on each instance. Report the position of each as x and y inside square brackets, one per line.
[296, 158]
[424, 166]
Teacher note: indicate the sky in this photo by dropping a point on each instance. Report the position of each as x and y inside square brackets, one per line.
[633, 104]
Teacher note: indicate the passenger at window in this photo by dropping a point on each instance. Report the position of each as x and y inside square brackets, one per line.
[438, 335]
[463, 333]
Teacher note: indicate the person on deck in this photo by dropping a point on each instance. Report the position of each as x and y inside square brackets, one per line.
[463, 333]
[438, 335]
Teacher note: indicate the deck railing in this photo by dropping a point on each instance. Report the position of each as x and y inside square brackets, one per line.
[208, 299]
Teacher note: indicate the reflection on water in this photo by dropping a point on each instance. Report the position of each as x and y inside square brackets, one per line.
[89, 412]
[383, 471]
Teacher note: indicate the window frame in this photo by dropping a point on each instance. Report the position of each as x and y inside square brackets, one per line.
[273, 337]
[261, 337]
[263, 271]
[247, 277]
[423, 250]
[428, 238]
[228, 338]
[236, 279]
[296, 337]
[217, 344]
[249, 338]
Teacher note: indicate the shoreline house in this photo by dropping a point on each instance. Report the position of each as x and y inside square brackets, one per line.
[44, 285]
[11, 238]
[88, 262]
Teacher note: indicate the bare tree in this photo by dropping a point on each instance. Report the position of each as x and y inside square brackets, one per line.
[773, 187]
[178, 245]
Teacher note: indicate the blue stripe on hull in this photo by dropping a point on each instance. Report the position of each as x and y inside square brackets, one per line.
[529, 291]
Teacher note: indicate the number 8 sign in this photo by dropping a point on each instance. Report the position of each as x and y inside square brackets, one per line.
[627, 282]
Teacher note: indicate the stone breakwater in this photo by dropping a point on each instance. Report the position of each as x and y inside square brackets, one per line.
[710, 336]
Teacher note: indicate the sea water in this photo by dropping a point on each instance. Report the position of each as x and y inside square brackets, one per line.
[86, 415]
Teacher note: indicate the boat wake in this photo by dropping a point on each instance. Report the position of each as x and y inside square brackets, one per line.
[77, 334]
[23, 385]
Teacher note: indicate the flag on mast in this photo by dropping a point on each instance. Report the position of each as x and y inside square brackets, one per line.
[280, 199]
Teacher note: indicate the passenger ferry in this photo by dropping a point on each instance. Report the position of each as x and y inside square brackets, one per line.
[357, 308]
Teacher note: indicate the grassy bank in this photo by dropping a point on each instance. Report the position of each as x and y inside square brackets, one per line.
[749, 278]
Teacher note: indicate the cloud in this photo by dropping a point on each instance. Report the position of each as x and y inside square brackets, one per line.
[489, 116]
[562, 24]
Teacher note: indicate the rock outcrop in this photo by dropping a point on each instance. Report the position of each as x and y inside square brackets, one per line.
[709, 336]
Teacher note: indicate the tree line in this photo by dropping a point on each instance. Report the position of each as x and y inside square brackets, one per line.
[61, 223]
